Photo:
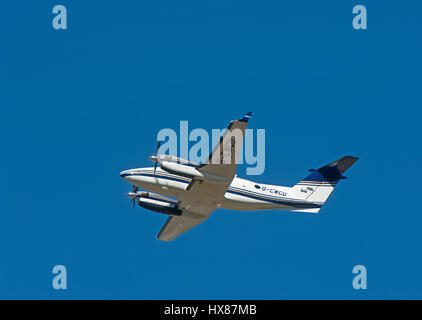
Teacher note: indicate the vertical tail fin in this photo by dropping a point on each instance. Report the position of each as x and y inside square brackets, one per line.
[318, 185]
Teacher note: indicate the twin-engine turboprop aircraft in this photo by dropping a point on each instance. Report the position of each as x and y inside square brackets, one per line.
[193, 191]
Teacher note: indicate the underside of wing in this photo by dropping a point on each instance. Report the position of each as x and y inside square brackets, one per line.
[225, 155]
[176, 225]
[200, 200]
[203, 196]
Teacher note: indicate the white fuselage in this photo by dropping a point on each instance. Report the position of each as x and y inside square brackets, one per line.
[242, 194]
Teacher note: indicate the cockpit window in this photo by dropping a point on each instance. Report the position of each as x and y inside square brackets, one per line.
[257, 186]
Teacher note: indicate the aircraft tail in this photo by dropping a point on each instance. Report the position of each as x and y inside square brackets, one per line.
[320, 183]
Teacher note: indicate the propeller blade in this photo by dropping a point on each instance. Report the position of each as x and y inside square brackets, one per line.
[158, 149]
[132, 196]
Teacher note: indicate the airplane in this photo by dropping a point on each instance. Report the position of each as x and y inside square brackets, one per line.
[189, 192]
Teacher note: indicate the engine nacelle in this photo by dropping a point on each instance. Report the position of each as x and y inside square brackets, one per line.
[159, 206]
[188, 171]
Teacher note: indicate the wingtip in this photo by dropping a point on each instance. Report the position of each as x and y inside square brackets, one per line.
[246, 117]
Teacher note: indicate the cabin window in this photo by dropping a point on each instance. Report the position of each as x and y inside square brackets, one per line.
[257, 186]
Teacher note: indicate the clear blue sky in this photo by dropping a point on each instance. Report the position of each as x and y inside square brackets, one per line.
[80, 105]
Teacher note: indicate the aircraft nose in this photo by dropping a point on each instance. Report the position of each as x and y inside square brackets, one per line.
[124, 173]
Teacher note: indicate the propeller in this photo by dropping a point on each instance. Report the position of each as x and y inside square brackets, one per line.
[136, 195]
[132, 202]
[132, 196]
[155, 158]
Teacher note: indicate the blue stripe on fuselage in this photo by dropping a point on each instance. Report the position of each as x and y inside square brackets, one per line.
[281, 202]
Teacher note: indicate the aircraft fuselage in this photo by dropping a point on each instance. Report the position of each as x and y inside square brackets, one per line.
[242, 194]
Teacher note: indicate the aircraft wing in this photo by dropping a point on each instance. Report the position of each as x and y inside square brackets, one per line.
[197, 204]
[202, 197]
[176, 225]
[224, 157]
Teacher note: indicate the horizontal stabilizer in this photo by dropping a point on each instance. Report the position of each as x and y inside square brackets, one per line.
[334, 170]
